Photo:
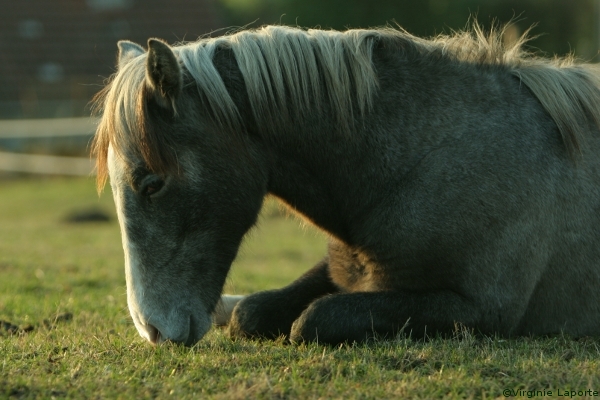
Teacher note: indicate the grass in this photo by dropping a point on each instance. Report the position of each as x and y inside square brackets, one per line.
[62, 285]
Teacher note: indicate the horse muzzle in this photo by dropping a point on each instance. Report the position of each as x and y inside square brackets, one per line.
[187, 331]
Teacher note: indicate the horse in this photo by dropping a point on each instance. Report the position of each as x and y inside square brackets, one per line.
[457, 178]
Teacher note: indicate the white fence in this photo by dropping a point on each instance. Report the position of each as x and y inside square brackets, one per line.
[46, 128]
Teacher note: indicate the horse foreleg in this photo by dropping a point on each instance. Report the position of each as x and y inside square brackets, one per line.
[271, 313]
[356, 317]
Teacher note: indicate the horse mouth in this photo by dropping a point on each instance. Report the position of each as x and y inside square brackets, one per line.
[192, 337]
[155, 336]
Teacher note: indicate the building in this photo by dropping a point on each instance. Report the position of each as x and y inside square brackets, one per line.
[55, 54]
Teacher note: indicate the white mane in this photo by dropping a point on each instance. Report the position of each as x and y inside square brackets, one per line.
[274, 59]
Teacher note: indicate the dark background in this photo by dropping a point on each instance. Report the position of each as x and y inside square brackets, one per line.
[55, 54]
[564, 25]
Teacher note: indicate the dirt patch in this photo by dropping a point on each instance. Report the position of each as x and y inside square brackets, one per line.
[8, 328]
[87, 215]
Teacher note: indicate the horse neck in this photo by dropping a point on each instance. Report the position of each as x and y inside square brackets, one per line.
[331, 175]
[336, 178]
[302, 158]
[312, 171]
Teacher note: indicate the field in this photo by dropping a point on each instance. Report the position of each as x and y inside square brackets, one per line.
[66, 331]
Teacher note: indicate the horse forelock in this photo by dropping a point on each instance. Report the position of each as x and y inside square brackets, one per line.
[116, 106]
[125, 124]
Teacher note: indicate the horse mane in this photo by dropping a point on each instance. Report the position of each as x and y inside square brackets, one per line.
[568, 91]
[290, 70]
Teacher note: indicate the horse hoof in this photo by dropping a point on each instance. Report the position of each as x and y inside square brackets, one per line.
[305, 328]
[243, 322]
[264, 315]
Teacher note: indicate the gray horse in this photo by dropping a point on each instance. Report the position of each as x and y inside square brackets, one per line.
[458, 179]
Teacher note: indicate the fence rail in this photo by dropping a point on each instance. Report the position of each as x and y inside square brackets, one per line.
[47, 165]
[46, 128]
[40, 128]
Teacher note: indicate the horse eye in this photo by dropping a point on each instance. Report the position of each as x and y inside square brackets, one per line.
[151, 186]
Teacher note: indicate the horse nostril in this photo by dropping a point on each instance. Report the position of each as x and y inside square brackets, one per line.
[153, 334]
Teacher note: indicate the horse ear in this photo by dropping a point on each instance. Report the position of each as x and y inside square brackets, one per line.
[128, 51]
[163, 73]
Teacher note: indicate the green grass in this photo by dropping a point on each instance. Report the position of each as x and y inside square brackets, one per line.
[49, 267]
